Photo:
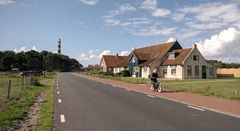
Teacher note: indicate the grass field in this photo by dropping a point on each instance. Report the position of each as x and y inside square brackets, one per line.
[224, 88]
[20, 100]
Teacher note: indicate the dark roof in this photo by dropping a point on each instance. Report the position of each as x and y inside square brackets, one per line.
[155, 52]
[112, 60]
[123, 63]
[180, 57]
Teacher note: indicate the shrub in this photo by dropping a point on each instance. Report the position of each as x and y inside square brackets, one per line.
[35, 81]
[124, 73]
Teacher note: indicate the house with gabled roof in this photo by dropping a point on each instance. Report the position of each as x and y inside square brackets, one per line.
[171, 61]
[108, 62]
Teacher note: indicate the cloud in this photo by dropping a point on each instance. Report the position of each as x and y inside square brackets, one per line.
[178, 16]
[24, 49]
[124, 53]
[155, 31]
[5, 2]
[149, 4]
[171, 39]
[212, 25]
[34, 48]
[161, 12]
[128, 22]
[105, 52]
[124, 8]
[214, 11]
[89, 2]
[223, 45]
[94, 56]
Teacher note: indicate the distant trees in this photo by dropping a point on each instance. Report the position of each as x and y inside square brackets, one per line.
[220, 64]
[32, 60]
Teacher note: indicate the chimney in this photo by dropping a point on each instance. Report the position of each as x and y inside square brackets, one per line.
[194, 45]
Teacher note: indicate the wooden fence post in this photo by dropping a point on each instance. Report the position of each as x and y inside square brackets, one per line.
[22, 82]
[9, 88]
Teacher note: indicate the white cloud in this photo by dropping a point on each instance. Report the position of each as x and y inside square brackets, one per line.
[5, 2]
[122, 9]
[22, 49]
[178, 16]
[171, 39]
[124, 53]
[89, 2]
[155, 31]
[105, 52]
[214, 11]
[161, 12]
[224, 45]
[34, 48]
[149, 4]
[128, 22]
[212, 25]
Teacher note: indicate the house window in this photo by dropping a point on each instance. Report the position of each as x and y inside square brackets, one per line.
[173, 70]
[196, 70]
[144, 69]
[189, 70]
[171, 56]
[196, 57]
[165, 70]
[211, 71]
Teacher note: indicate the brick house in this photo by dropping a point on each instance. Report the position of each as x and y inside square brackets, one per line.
[108, 62]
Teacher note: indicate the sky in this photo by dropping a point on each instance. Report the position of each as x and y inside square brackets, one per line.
[92, 28]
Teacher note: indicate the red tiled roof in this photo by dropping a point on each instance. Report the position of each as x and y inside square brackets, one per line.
[150, 54]
[112, 60]
[183, 53]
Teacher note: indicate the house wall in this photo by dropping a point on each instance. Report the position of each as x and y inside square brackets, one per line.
[201, 62]
[118, 69]
[145, 72]
[103, 66]
[177, 75]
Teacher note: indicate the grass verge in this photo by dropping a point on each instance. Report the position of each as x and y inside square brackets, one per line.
[46, 112]
[16, 107]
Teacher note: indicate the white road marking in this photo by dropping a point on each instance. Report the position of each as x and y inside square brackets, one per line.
[151, 96]
[62, 118]
[59, 101]
[57, 87]
[58, 92]
[196, 108]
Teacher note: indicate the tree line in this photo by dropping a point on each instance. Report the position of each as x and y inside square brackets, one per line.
[33, 60]
[220, 64]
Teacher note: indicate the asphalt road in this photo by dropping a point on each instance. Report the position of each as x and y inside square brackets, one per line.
[86, 105]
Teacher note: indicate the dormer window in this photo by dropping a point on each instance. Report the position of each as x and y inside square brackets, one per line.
[196, 57]
[171, 56]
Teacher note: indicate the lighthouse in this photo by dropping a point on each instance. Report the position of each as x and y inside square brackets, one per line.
[59, 46]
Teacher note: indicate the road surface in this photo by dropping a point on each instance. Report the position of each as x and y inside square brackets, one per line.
[86, 105]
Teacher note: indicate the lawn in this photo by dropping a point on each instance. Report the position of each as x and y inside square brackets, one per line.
[20, 100]
[224, 88]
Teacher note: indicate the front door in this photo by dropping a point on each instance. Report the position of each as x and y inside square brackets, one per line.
[204, 72]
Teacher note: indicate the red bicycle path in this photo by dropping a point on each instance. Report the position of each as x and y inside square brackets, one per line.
[228, 107]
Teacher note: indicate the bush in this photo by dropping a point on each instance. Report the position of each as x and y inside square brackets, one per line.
[124, 73]
[35, 81]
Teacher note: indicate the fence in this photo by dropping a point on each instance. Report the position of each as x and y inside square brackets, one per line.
[224, 72]
[11, 86]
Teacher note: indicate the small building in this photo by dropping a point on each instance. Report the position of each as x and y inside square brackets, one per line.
[108, 62]
[171, 61]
